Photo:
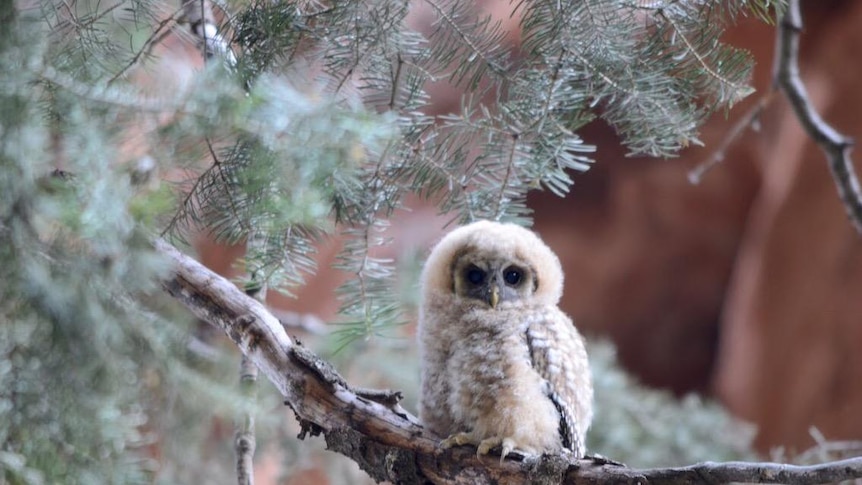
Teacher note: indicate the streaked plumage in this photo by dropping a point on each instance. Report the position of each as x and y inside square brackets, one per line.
[501, 364]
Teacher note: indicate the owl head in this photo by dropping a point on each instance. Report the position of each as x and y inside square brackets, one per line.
[492, 263]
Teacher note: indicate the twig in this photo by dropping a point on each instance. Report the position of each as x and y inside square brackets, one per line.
[158, 35]
[199, 15]
[750, 120]
[389, 443]
[245, 442]
[835, 145]
[828, 450]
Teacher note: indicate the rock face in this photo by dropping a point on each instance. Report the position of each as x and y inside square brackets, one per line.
[749, 284]
[792, 320]
[647, 257]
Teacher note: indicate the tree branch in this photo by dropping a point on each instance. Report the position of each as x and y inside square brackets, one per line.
[389, 443]
[245, 441]
[751, 120]
[836, 146]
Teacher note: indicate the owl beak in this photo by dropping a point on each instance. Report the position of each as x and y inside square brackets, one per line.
[494, 297]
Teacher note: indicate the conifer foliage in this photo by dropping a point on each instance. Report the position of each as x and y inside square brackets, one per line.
[308, 118]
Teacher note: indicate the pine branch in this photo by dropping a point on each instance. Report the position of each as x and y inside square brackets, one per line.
[162, 30]
[740, 90]
[836, 146]
[465, 35]
[389, 443]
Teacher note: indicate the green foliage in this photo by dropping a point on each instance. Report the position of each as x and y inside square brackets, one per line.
[653, 70]
[320, 124]
[644, 427]
[86, 367]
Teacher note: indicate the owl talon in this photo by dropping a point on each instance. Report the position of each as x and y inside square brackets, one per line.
[457, 439]
[507, 445]
[485, 446]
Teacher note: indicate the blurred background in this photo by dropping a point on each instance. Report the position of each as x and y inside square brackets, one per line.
[745, 288]
[725, 317]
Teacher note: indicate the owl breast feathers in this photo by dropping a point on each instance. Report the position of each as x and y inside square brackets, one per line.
[501, 364]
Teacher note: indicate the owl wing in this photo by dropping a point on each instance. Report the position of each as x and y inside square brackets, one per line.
[558, 355]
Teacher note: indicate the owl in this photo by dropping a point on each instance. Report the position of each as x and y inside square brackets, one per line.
[501, 364]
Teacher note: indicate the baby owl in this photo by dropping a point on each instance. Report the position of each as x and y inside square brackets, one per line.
[501, 364]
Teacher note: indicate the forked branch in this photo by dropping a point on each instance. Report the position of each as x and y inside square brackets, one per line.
[836, 146]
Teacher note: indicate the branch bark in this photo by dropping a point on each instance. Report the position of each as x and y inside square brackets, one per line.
[245, 441]
[387, 441]
[836, 146]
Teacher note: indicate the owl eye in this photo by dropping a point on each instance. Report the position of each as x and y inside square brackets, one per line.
[512, 276]
[475, 275]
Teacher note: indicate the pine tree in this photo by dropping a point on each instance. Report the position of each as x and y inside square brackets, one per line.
[308, 119]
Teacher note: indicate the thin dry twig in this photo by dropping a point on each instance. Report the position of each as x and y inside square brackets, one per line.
[836, 146]
[199, 15]
[786, 78]
[245, 442]
[825, 450]
[162, 30]
[750, 120]
[388, 442]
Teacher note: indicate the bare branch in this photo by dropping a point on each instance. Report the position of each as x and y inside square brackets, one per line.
[836, 146]
[389, 443]
[198, 13]
[735, 471]
[750, 120]
[245, 441]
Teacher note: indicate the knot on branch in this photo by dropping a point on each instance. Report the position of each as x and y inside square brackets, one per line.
[548, 470]
[248, 331]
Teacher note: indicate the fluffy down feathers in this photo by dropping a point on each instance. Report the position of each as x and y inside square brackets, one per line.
[501, 364]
